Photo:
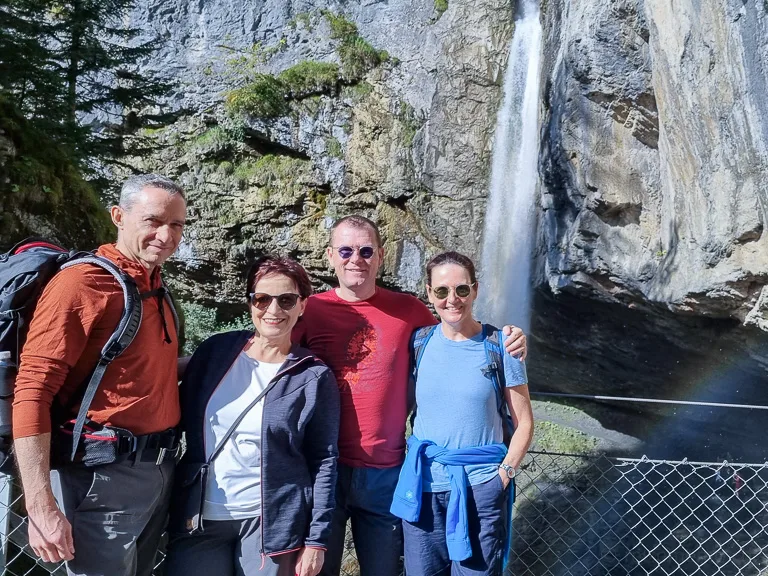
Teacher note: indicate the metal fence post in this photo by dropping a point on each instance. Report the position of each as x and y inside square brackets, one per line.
[6, 487]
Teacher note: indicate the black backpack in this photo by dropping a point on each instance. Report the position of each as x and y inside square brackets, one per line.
[24, 272]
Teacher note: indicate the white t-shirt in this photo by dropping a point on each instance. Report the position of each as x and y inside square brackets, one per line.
[233, 487]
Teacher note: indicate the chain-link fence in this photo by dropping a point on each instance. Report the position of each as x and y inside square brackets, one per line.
[587, 515]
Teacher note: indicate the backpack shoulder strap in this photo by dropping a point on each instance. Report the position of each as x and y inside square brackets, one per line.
[121, 338]
[495, 358]
[494, 353]
[172, 305]
[419, 340]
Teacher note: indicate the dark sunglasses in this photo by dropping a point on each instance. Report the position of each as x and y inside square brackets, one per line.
[365, 252]
[262, 301]
[462, 291]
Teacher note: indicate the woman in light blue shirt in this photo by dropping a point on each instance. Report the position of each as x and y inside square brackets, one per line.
[453, 490]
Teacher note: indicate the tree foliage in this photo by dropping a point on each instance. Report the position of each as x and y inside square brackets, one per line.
[65, 63]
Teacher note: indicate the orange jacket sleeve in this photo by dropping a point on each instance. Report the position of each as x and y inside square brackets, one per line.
[69, 307]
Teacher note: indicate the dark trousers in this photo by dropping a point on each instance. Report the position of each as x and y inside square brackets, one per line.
[225, 548]
[118, 513]
[426, 553]
[364, 495]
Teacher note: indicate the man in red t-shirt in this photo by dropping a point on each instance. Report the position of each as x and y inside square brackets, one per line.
[363, 333]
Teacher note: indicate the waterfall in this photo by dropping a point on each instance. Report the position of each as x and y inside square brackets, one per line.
[510, 219]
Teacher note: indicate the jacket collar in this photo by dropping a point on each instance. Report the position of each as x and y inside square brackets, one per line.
[144, 280]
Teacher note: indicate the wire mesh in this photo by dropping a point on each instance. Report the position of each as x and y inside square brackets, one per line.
[590, 515]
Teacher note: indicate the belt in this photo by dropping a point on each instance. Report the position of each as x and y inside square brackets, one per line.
[156, 447]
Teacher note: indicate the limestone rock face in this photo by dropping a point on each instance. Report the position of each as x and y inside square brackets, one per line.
[653, 257]
[651, 262]
[654, 153]
[408, 143]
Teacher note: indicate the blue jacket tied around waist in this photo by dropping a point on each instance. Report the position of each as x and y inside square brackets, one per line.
[406, 503]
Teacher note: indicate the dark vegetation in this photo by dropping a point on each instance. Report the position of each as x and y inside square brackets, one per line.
[63, 66]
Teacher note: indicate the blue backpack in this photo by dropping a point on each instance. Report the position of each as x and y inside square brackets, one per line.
[494, 354]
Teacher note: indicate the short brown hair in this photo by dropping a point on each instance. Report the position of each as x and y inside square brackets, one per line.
[451, 258]
[356, 221]
[282, 265]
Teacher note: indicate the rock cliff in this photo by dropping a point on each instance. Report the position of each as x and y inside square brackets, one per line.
[406, 140]
[651, 261]
[653, 258]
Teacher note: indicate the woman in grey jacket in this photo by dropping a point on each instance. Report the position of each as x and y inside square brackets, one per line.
[255, 489]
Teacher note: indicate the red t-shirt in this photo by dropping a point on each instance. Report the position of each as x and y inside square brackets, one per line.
[366, 345]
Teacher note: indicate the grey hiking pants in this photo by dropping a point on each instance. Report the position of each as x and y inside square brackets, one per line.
[226, 548]
[118, 513]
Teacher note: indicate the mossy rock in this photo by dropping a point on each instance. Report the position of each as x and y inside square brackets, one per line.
[264, 97]
[551, 437]
[43, 190]
[310, 77]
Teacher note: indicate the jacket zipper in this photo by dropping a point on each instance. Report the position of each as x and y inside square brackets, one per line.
[261, 463]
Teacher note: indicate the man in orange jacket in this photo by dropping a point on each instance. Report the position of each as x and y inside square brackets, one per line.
[105, 520]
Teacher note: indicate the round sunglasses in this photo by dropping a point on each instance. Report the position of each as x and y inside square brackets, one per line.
[462, 290]
[346, 252]
[262, 301]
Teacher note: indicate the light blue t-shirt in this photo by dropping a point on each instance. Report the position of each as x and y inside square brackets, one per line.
[456, 403]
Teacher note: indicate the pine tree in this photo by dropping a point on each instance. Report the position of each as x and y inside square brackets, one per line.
[99, 57]
[66, 63]
[29, 72]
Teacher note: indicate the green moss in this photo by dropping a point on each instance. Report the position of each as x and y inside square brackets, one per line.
[216, 138]
[551, 437]
[311, 104]
[150, 132]
[333, 148]
[341, 27]
[245, 170]
[358, 57]
[407, 117]
[273, 173]
[320, 198]
[264, 97]
[302, 18]
[359, 90]
[310, 77]
[440, 7]
[226, 167]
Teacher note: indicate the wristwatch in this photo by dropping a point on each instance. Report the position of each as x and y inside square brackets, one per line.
[508, 469]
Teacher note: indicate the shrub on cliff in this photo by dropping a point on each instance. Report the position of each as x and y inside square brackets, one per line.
[200, 322]
[265, 97]
[310, 77]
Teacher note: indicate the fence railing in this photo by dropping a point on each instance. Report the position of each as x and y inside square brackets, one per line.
[583, 515]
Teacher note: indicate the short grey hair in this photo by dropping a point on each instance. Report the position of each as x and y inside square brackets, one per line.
[135, 184]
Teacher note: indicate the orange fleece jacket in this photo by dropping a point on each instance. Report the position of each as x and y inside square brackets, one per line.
[77, 312]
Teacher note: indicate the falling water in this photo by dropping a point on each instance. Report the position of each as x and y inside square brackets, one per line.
[509, 236]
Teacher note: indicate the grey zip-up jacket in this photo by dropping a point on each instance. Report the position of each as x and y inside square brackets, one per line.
[300, 428]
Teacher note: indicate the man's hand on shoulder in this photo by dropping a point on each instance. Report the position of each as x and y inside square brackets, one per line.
[50, 534]
[515, 343]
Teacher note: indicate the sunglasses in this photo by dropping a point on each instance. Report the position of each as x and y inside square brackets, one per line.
[462, 291]
[262, 301]
[346, 252]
